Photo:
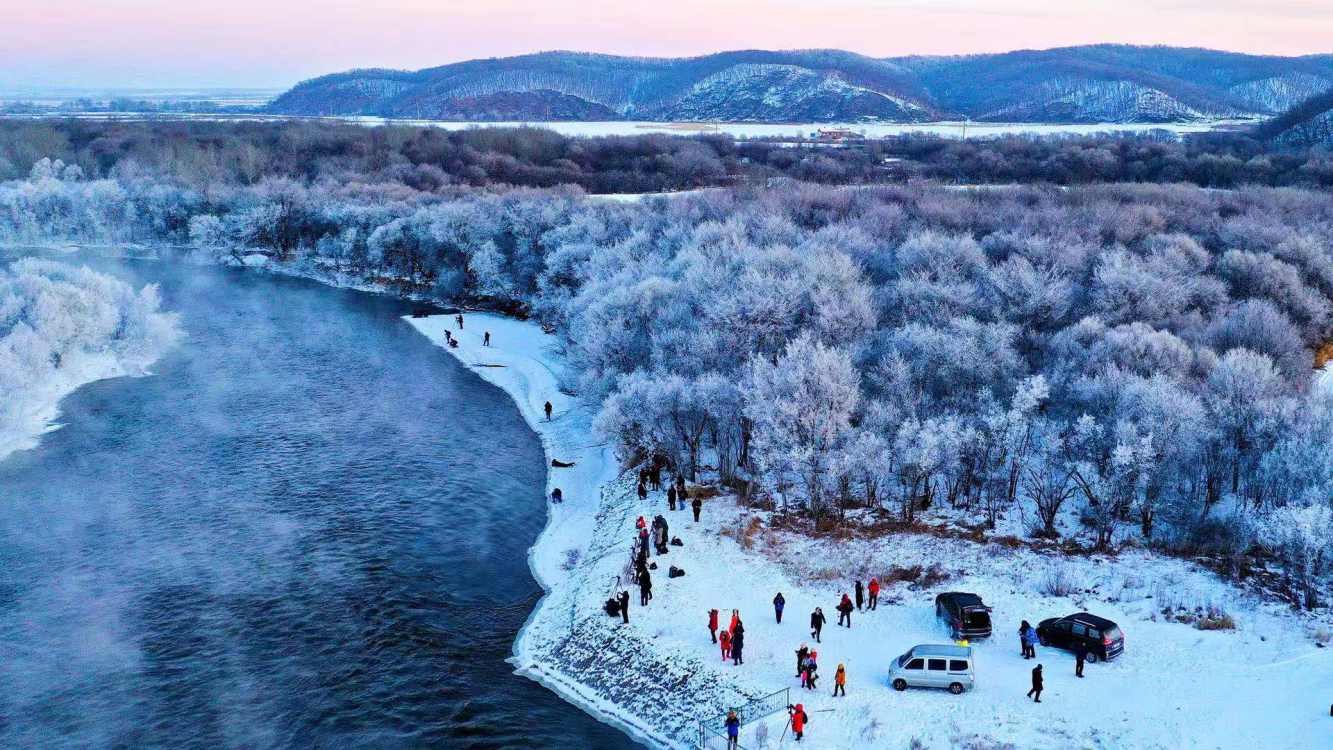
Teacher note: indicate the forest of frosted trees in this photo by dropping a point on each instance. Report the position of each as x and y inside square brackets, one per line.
[1137, 358]
[62, 325]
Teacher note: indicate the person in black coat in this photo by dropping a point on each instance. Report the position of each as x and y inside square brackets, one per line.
[1035, 692]
[778, 603]
[817, 621]
[1080, 653]
[801, 654]
[623, 598]
[645, 588]
[698, 505]
[737, 643]
[860, 596]
[671, 497]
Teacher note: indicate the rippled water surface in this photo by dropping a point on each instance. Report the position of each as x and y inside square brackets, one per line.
[308, 528]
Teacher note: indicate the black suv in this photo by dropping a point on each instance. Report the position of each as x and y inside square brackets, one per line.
[1103, 638]
[965, 614]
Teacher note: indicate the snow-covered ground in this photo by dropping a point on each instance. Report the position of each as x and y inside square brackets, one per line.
[1265, 684]
[803, 130]
[738, 129]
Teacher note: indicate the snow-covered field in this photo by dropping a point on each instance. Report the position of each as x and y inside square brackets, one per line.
[737, 129]
[803, 130]
[1266, 684]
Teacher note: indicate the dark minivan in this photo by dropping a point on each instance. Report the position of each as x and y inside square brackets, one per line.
[1103, 638]
[965, 615]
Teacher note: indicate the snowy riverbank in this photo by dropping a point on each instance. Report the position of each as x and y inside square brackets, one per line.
[1175, 686]
[62, 327]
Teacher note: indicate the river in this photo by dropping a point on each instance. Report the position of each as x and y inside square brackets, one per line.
[308, 528]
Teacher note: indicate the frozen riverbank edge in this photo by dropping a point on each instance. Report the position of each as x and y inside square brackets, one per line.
[569, 644]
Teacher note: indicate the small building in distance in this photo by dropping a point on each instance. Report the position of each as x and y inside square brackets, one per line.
[836, 135]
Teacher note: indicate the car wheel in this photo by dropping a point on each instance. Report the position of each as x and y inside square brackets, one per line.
[956, 688]
[900, 684]
[1043, 640]
[1092, 658]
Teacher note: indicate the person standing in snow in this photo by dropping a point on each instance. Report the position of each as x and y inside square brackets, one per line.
[737, 644]
[733, 731]
[698, 505]
[548, 411]
[1027, 639]
[735, 618]
[874, 593]
[643, 491]
[1080, 653]
[486, 339]
[557, 496]
[1036, 684]
[801, 654]
[817, 621]
[840, 681]
[671, 497]
[712, 624]
[845, 611]
[798, 720]
[655, 476]
[645, 588]
[778, 604]
[623, 598]
[811, 670]
[726, 645]
[860, 595]
[459, 318]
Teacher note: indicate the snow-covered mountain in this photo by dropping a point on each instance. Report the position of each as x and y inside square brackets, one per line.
[1101, 83]
[1308, 124]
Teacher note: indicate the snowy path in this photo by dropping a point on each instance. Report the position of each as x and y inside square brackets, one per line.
[1265, 685]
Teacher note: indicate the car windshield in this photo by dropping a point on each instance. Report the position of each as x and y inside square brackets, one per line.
[903, 659]
[1114, 634]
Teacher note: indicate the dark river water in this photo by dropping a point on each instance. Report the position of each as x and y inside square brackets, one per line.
[308, 528]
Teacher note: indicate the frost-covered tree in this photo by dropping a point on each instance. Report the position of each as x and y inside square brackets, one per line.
[801, 407]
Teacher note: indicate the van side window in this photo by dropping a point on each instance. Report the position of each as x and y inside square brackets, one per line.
[917, 664]
[1062, 626]
[957, 665]
[937, 665]
[1080, 629]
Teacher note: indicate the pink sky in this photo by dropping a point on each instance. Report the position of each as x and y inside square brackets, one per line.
[278, 42]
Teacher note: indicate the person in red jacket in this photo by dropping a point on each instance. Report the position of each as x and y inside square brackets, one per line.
[845, 608]
[798, 720]
[726, 645]
[712, 624]
[735, 618]
[874, 593]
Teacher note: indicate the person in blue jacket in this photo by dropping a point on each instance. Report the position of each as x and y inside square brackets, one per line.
[733, 731]
[778, 604]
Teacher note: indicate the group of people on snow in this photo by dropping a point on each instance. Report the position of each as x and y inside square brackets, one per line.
[731, 640]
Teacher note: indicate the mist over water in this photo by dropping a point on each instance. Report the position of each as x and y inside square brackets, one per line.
[308, 528]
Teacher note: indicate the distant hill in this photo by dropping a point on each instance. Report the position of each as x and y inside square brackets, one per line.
[1092, 84]
[1308, 124]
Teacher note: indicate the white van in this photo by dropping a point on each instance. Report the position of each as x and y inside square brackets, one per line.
[948, 667]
